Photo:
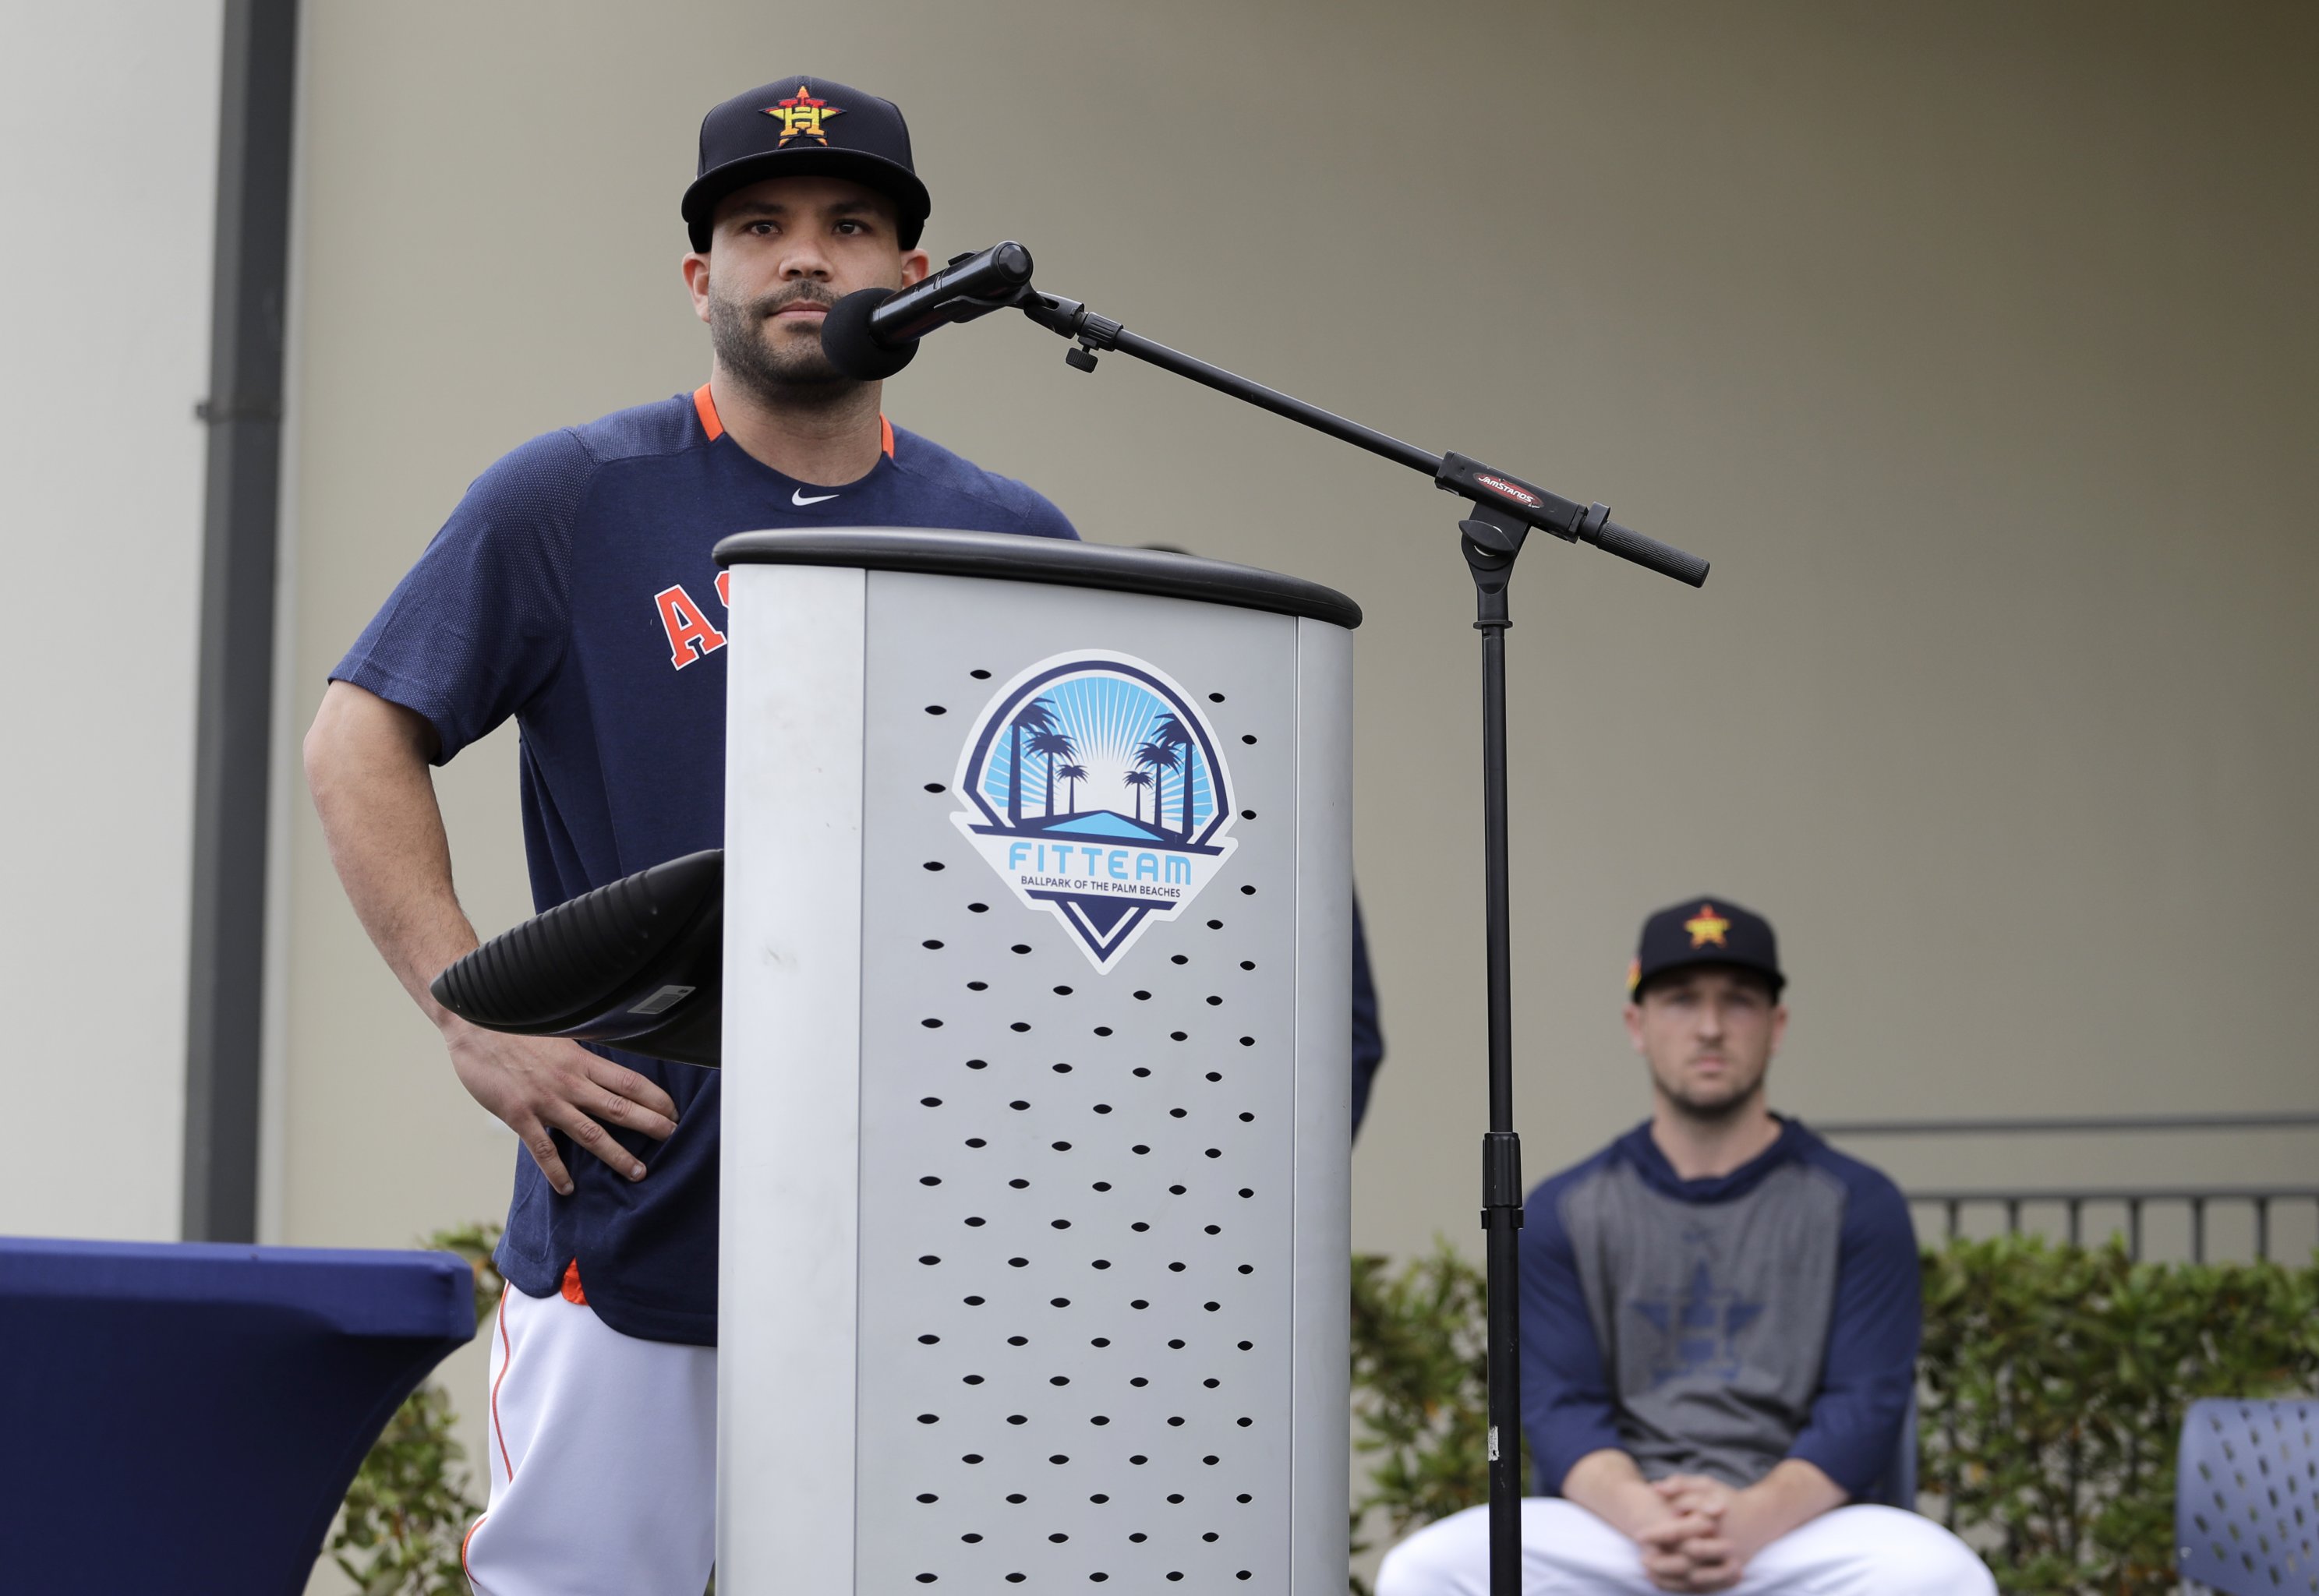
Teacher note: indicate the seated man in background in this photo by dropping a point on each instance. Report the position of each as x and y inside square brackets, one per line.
[1719, 1327]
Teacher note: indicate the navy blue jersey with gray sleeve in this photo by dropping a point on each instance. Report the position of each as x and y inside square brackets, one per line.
[1718, 1326]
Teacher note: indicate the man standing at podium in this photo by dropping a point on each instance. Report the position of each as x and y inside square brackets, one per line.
[573, 589]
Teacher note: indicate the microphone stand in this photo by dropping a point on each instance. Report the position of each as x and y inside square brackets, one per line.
[1502, 510]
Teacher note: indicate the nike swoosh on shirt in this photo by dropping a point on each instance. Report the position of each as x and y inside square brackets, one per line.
[796, 497]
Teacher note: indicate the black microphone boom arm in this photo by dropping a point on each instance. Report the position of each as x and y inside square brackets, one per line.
[873, 333]
[1486, 487]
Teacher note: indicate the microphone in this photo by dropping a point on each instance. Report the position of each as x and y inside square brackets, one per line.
[873, 333]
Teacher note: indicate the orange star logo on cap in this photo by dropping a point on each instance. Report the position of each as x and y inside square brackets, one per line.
[1634, 973]
[802, 116]
[1707, 926]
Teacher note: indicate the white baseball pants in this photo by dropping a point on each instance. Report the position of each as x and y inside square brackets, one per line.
[1567, 1551]
[603, 1458]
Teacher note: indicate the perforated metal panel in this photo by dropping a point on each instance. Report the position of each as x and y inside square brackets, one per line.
[2246, 1509]
[1074, 1186]
[1086, 1210]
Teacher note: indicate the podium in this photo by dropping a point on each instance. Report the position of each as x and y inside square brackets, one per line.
[1035, 1236]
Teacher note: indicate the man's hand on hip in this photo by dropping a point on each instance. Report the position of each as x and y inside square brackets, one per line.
[537, 1083]
[366, 761]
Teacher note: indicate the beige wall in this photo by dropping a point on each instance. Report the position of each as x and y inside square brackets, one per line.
[108, 183]
[1973, 343]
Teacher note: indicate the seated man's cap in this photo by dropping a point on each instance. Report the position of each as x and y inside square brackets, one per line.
[1705, 930]
[805, 127]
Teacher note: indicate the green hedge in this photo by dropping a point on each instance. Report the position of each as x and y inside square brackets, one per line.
[1419, 1413]
[2055, 1381]
[2051, 1387]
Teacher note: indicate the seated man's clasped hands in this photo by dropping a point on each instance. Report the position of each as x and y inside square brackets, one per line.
[1719, 1327]
[1687, 1549]
[1697, 1544]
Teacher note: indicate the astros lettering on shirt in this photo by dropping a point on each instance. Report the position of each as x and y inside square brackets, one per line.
[573, 588]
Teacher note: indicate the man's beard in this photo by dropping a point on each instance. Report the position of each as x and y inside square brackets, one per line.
[1712, 1110]
[795, 373]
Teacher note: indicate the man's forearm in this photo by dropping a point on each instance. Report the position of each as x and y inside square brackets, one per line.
[366, 763]
[366, 766]
[1608, 1484]
[1792, 1495]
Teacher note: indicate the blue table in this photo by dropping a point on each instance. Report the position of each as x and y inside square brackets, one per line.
[185, 1417]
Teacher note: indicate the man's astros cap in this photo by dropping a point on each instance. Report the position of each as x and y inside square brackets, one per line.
[1705, 930]
[805, 127]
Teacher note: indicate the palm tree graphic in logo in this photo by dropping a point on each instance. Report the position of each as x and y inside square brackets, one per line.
[1160, 758]
[1110, 728]
[1170, 733]
[1036, 717]
[1051, 747]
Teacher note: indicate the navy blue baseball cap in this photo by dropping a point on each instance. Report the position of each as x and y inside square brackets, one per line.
[1705, 930]
[805, 127]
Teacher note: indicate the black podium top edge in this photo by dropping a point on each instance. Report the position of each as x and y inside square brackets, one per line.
[1005, 556]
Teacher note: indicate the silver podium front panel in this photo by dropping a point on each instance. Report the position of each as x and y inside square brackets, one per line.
[1097, 1313]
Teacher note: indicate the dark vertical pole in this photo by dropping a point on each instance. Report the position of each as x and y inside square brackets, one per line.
[1490, 549]
[235, 689]
[1501, 1151]
[1953, 1475]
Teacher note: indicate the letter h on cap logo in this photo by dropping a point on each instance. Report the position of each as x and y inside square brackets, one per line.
[802, 116]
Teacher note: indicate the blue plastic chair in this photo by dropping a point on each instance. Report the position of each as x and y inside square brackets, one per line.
[185, 1417]
[2246, 1497]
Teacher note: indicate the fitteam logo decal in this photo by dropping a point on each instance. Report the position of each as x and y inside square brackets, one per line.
[802, 117]
[1097, 793]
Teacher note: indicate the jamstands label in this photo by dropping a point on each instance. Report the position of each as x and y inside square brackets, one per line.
[1097, 792]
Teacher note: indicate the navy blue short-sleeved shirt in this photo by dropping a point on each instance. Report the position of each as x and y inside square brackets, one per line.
[573, 588]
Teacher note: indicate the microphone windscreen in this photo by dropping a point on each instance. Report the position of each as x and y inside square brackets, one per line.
[847, 339]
